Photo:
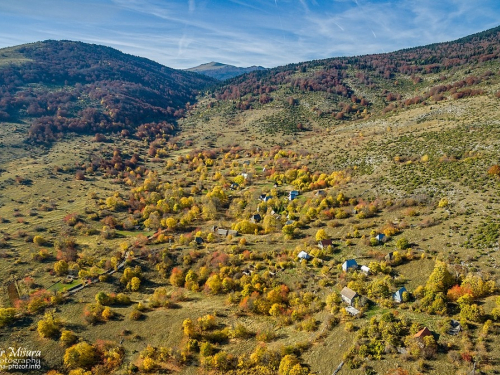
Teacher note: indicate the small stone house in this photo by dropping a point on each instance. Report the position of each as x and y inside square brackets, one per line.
[348, 295]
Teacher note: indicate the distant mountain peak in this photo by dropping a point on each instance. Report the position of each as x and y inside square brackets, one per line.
[222, 71]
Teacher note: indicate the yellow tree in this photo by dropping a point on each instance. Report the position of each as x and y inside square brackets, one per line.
[80, 355]
[135, 284]
[269, 223]
[321, 235]
[170, 223]
[287, 363]
[7, 316]
[440, 279]
[61, 267]
[48, 326]
[288, 231]
[188, 327]
[177, 277]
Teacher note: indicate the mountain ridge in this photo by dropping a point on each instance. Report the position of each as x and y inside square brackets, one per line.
[351, 88]
[223, 71]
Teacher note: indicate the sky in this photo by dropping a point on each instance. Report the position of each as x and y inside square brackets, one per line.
[186, 33]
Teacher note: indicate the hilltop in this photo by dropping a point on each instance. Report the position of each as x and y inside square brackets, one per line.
[222, 71]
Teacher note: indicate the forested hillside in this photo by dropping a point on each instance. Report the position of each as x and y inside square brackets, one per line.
[348, 88]
[71, 86]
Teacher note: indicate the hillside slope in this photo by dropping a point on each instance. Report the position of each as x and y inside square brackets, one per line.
[342, 89]
[60, 86]
[222, 71]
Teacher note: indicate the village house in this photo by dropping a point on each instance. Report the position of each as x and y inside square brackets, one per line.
[304, 255]
[348, 295]
[389, 256]
[256, 218]
[265, 198]
[365, 270]
[455, 328]
[222, 232]
[351, 263]
[323, 244]
[398, 295]
[292, 195]
[380, 237]
[422, 333]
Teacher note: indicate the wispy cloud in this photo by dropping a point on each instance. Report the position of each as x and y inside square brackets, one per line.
[184, 33]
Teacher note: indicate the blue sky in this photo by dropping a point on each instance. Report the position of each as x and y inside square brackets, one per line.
[186, 33]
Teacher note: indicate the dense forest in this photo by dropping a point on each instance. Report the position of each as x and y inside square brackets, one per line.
[72, 86]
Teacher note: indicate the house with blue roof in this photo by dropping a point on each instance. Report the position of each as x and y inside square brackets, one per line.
[265, 198]
[351, 263]
[398, 295]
